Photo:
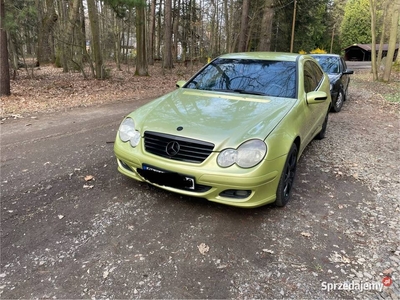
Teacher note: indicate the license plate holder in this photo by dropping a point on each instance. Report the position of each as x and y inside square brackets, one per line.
[167, 178]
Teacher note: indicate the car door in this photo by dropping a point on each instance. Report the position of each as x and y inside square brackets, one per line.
[345, 78]
[313, 113]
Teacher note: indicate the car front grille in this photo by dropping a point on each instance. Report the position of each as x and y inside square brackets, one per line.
[176, 147]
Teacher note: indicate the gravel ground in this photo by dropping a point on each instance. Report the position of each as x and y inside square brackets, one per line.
[362, 145]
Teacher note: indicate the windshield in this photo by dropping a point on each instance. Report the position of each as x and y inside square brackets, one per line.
[246, 76]
[329, 64]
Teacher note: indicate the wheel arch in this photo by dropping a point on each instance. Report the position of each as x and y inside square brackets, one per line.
[297, 141]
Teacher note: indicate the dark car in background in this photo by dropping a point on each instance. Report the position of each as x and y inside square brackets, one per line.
[336, 68]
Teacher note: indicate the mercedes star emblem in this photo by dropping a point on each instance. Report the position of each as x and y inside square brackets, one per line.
[172, 148]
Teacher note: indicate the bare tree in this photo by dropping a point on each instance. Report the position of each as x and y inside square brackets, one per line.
[266, 26]
[47, 20]
[392, 41]
[175, 28]
[159, 30]
[244, 26]
[141, 55]
[167, 59]
[95, 44]
[227, 26]
[383, 32]
[152, 26]
[372, 9]
[69, 35]
[5, 89]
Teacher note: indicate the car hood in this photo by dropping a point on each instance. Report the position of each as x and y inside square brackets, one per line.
[223, 119]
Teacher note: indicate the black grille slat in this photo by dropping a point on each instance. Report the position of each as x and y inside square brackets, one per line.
[191, 150]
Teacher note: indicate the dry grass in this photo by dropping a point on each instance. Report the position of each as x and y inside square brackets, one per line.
[51, 90]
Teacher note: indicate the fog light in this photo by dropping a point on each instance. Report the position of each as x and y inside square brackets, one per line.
[235, 194]
[125, 166]
[243, 194]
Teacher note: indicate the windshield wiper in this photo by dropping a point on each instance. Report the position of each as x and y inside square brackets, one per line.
[248, 92]
[240, 91]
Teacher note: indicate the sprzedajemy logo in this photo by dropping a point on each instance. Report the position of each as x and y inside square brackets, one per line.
[352, 286]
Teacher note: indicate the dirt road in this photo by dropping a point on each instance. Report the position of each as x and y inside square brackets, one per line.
[65, 234]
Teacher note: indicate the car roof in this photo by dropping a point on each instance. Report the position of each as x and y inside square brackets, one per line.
[279, 56]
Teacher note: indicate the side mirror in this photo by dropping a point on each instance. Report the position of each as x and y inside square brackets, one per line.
[348, 72]
[180, 83]
[316, 97]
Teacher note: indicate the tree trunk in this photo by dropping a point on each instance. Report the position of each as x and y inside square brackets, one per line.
[69, 35]
[266, 27]
[167, 59]
[152, 26]
[141, 55]
[117, 42]
[243, 26]
[372, 9]
[45, 51]
[95, 45]
[175, 29]
[392, 42]
[227, 27]
[214, 26]
[61, 49]
[159, 35]
[233, 33]
[383, 32]
[5, 89]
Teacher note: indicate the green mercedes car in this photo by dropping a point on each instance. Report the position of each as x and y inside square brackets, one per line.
[233, 133]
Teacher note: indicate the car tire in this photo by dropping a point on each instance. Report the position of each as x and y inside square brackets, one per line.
[322, 133]
[287, 178]
[338, 103]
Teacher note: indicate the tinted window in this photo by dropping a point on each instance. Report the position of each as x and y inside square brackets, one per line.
[344, 66]
[330, 64]
[312, 76]
[260, 77]
[318, 72]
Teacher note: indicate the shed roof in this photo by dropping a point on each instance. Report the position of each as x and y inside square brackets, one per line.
[368, 47]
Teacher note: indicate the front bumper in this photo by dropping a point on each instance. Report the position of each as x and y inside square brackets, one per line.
[231, 186]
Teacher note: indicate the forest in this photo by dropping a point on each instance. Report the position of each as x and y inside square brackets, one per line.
[82, 35]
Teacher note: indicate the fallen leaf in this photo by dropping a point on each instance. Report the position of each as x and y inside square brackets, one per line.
[203, 248]
[306, 234]
[60, 217]
[388, 272]
[345, 259]
[268, 251]
[89, 177]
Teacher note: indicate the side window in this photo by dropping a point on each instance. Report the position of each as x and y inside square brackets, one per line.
[317, 72]
[344, 66]
[310, 77]
[308, 82]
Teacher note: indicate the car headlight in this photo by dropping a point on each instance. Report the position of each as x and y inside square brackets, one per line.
[247, 155]
[128, 132]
